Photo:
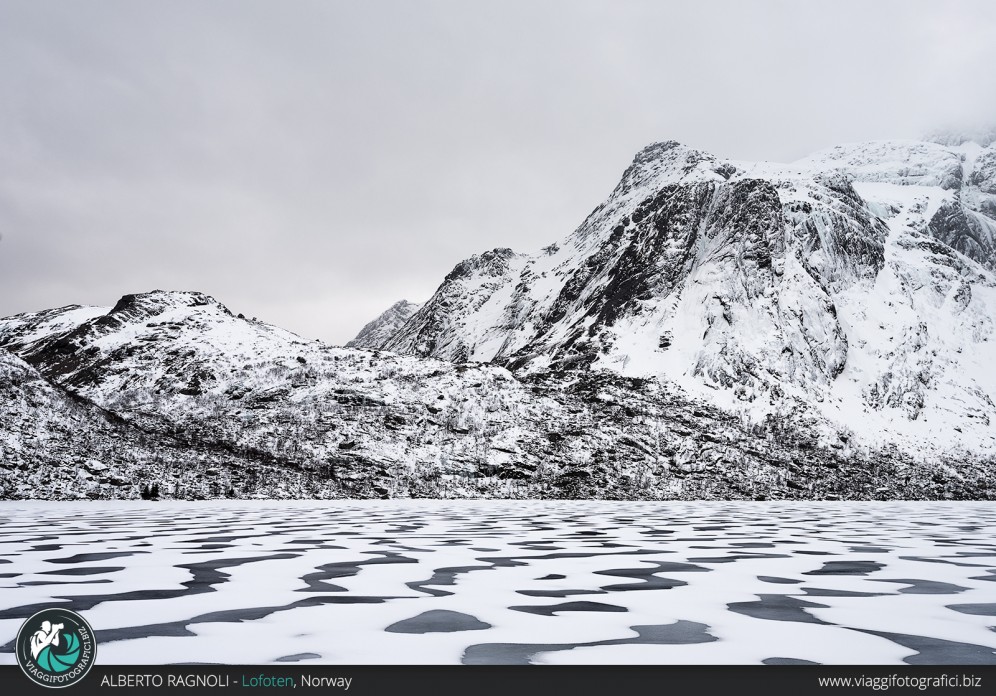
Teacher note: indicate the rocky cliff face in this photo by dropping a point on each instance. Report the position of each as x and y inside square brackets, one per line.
[857, 281]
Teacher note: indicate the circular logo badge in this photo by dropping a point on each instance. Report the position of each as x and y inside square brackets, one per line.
[56, 648]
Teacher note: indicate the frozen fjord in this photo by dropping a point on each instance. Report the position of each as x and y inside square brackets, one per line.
[436, 582]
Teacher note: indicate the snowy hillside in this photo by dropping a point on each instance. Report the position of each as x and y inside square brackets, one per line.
[248, 410]
[55, 444]
[857, 282]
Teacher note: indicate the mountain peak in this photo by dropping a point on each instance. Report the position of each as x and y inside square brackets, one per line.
[669, 162]
[657, 147]
[141, 306]
[164, 299]
[670, 151]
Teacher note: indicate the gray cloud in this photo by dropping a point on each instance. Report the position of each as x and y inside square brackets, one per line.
[312, 162]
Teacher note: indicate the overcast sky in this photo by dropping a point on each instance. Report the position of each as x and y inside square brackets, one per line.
[310, 163]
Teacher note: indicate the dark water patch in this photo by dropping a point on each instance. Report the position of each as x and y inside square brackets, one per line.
[987, 578]
[657, 567]
[679, 633]
[651, 582]
[507, 653]
[786, 661]
[934, 651]
[201, 552]
[83, 570]
[778, 581]
[552, 576]
[648, 579]
[558, 593]
[610, 545]
[574, 554]
[737, 557]
[775, 607]
[298, 657]
[868, 549]
[38, 583]
[822, 592]
[317, 581]
[503, 561]
[438, 621]
[552, 609]
[847, 568]
[445, 577]
[316, 544]
[814, 553]
[930, 587]
[974, 609]
[752, 545]
[90, 557]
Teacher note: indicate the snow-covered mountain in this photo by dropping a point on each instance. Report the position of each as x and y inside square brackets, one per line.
[378, 331]
[857, 283]
[715, 328]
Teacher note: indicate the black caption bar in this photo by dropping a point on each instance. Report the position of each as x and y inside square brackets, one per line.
[371, 680]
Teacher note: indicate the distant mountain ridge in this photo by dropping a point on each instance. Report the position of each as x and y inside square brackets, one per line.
[378, 331]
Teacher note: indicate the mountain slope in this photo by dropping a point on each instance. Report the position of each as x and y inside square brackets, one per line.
[857, 282]
[251, 410]
[57, 445]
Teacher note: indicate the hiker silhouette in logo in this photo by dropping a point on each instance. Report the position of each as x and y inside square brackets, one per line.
[45, 636]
